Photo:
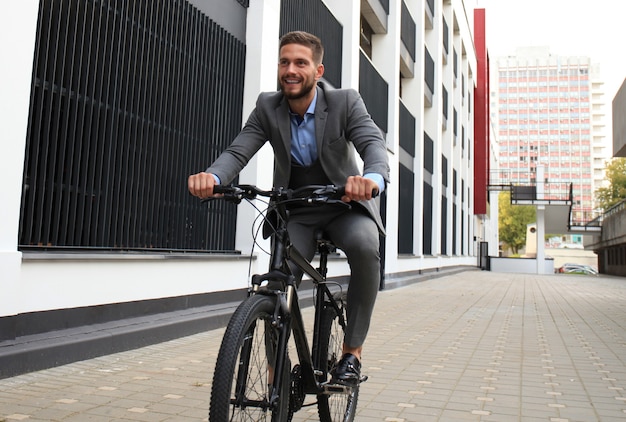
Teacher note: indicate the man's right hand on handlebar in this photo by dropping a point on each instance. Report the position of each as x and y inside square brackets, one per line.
[201, 184]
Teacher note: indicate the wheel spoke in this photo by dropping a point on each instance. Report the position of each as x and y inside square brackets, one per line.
[338, 405]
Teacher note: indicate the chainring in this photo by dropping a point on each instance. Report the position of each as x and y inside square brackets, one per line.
[296, 396]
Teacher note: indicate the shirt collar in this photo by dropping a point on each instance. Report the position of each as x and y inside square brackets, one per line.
[311, 109]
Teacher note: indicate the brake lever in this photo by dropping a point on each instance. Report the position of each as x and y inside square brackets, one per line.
[326, 201]
[228, 193]
[328, 190]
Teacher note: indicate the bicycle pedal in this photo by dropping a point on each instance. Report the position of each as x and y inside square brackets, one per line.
[363, 378]
[336, 389]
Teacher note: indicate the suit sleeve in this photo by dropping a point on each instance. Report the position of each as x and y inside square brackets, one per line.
[366, 137]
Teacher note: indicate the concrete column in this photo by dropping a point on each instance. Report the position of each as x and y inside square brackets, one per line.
[540, 182]
[262, 39]
[18, 27]
[540, 220]
[541, 253]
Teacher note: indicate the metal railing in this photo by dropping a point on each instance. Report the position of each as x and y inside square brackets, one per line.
[525, 189]
[523, 186]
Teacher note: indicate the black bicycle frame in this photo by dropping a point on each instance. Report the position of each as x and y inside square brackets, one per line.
[288, 315]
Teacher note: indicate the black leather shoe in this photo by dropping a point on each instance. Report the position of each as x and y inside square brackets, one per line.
[347, 372]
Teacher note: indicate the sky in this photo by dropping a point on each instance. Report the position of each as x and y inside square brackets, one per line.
[596, 29]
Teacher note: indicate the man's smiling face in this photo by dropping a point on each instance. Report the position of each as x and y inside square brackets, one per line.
[297, 72]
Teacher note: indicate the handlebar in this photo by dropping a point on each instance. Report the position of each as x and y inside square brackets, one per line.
[282, 198]
[309, 194]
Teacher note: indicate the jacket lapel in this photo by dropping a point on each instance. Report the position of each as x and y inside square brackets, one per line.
[284, 126]
[321, 112]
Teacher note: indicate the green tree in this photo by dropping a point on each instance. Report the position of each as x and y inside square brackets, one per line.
[512, 221]
[615, 173]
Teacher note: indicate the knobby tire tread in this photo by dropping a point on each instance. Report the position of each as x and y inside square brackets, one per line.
[248, 311]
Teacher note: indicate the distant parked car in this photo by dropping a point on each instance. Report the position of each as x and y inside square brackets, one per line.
[577, 269]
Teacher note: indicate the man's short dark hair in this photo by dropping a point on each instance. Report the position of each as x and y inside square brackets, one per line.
[307, 40]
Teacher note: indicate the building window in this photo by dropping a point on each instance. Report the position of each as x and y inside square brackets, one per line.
[366, 37]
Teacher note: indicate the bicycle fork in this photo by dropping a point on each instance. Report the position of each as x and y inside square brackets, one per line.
[281, 321]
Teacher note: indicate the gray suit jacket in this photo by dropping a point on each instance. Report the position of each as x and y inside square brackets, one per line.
[342, 124]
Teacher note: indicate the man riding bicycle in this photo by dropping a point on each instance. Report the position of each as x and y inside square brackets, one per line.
[314, 131]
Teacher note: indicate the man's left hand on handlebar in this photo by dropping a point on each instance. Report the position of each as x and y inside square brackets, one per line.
[359, 188]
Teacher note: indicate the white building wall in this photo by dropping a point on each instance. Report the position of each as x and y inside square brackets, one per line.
[413, 100]
[600, 124]
[18, 23]
[38, 282]
[385, 58]
[262, 55]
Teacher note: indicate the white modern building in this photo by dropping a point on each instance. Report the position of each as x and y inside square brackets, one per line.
[600, 131]
[104, 113]
[551, 112]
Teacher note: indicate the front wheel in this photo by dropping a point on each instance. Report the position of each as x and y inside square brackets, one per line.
[243, 376]
[334, 407]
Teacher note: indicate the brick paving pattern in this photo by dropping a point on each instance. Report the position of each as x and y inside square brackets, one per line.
[474, 346]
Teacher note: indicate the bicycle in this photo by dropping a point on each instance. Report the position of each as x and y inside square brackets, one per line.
[254, 379]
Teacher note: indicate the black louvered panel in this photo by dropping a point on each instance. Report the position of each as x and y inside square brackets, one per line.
[444, 226]
[454, 225]
[406, 210]
[427, 219]
[128, 98]
[375, 92]
[429, 70]
[406, 130]
[407, 30]
[313, 16]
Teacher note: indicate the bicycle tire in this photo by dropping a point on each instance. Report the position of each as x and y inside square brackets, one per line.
[335, 407]
[242, 369]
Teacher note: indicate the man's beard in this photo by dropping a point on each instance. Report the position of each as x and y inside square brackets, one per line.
[306, 89]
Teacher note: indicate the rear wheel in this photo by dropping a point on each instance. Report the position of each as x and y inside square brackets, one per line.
[241, 389]
[334, 407]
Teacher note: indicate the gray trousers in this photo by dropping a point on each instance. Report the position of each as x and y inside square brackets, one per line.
[357, 235]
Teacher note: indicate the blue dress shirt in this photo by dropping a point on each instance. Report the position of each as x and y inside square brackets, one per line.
[304, 146]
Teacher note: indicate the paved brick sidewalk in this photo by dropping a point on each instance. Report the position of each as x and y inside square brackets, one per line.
[475, 346]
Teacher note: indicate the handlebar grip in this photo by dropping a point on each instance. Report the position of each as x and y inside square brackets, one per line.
[341, 191]
[222, 189]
